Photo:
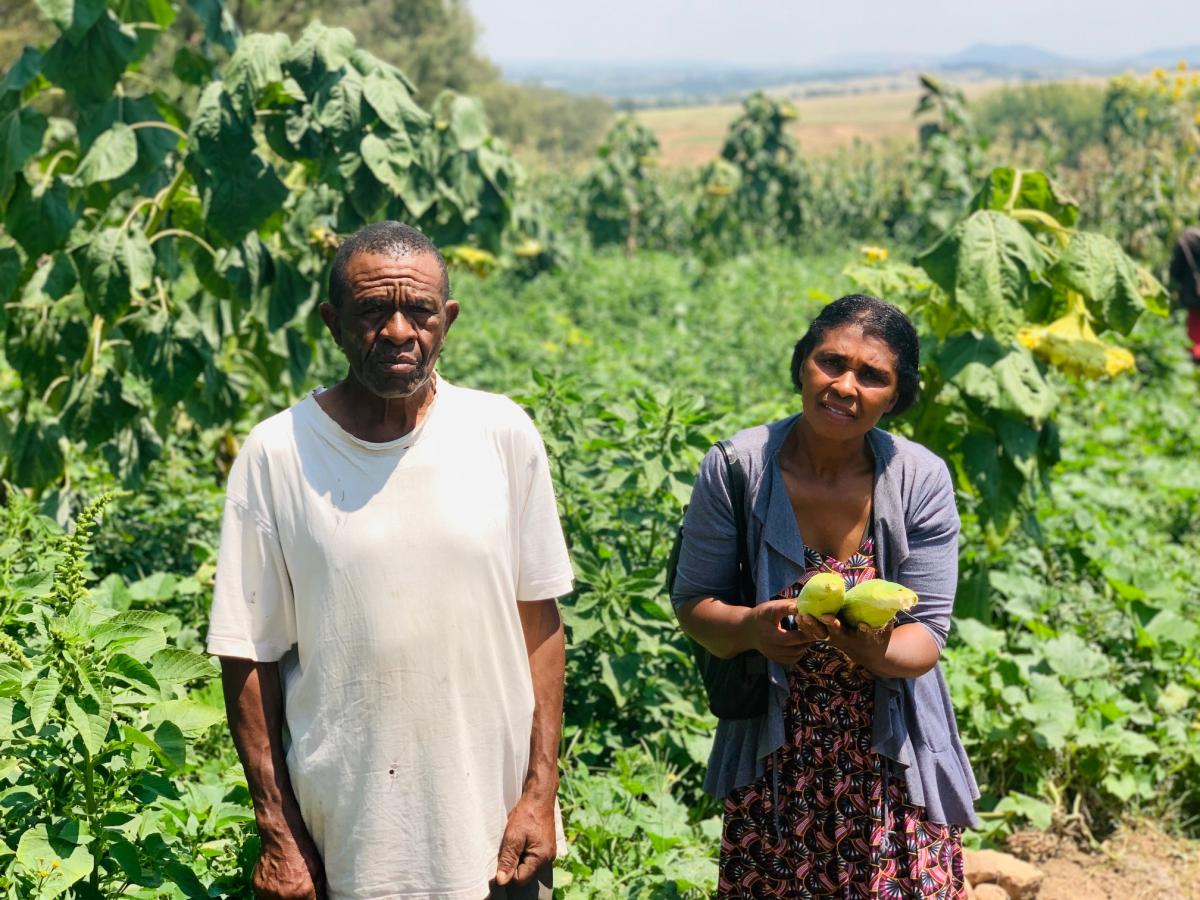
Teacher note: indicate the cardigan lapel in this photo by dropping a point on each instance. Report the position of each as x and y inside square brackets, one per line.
[780, 528]
[891, 539]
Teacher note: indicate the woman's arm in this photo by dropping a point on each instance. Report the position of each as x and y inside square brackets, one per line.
[726, 630]
[900, 651]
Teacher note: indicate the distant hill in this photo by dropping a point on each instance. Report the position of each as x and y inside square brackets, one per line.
[681, 83]
[1165, 57]
[1005, 56]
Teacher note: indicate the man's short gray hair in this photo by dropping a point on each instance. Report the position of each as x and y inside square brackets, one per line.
[391, 237]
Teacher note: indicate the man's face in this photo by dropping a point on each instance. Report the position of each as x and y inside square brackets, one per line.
[392, 325]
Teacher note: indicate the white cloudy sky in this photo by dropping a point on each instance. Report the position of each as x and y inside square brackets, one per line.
[800, 33]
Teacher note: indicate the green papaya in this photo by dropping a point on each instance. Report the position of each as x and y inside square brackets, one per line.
[876, 603]
[822, 595]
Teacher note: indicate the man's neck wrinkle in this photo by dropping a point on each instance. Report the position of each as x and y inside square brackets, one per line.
[375, 419]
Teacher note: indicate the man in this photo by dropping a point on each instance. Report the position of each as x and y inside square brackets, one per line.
[1185, 278]
[390, 558]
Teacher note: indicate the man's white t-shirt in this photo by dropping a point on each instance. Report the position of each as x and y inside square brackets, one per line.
[385, 577]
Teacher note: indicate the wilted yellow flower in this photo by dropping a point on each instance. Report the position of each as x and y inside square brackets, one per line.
[1181, 65]
[1070, 345]
[527, 248]
[1159, 73]
[874, 254]
[476, 261]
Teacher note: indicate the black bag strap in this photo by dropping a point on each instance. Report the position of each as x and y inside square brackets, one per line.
[737, 495]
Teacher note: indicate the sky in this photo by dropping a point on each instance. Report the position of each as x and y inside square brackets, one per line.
[775, 32]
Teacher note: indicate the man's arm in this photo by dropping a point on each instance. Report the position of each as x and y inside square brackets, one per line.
[529, 841]
[289, 866]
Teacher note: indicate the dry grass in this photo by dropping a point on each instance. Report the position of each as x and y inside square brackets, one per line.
[865, 111]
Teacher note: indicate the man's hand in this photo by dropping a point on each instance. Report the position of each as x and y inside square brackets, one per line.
[289, 865]
[289, 870]
[529, 841]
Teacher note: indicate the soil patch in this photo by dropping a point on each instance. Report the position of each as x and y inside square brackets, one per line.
[1138, 862]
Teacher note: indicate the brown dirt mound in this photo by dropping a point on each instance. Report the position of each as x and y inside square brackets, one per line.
[1138, 862]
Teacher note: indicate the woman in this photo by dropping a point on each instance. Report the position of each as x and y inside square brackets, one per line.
[854, 783]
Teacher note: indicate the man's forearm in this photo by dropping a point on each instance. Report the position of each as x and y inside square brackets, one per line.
[254, 706]
[544, 642]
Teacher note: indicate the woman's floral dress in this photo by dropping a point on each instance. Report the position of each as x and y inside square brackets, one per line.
[820, 822]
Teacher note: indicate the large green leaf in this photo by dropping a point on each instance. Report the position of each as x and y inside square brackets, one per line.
[339, 105]
[10, 273]
[112, 155]
[98, 406]
[91, 719]
[390, 159]
[998, 377]
[1097, 267]
[465, 118]
[52, 863]
[393, 104]
[318, 51]
[40, 218]
[73, 17]
[221, 136]
[255, 66]
[23, 71]
[175, 666]
[188, 715]
[238, 202]
[21, 133]
[987, 263]
[90, 68]
[993, 475]
[41, 701]
[172, 743]
[126, 667]
[1072, 657]
[7, 708]
[112, 634]
[1007, 188]
[293, 296]
[114, 265]
[153, 143]
[36, 457]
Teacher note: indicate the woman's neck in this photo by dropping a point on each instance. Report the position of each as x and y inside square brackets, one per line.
[823, 459]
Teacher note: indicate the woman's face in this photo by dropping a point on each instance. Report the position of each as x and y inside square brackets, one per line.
[848, 383]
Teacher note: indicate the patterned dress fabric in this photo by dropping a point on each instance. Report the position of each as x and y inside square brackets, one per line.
[842, 828]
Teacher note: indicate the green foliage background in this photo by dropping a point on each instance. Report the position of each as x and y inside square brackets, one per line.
[169, 207]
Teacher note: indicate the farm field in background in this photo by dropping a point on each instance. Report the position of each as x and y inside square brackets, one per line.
[692, 135]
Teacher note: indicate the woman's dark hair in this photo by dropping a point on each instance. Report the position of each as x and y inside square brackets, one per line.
[878, 320]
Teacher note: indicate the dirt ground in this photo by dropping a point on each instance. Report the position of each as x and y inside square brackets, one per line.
[1138, 862]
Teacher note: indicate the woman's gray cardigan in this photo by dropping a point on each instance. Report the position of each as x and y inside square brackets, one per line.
[916, 543]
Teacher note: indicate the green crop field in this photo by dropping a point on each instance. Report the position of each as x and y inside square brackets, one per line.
[171, 194]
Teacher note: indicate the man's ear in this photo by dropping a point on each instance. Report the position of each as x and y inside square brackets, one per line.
[452, 311]
[330, 315]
